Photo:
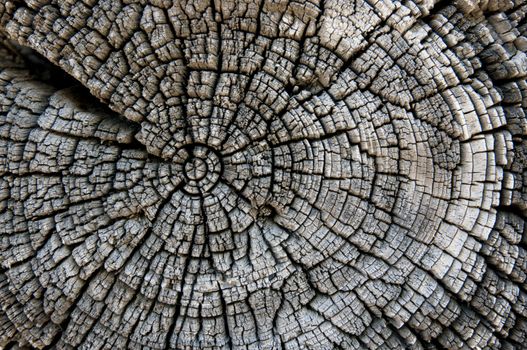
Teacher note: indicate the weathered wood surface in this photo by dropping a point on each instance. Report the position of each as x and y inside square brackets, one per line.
[258, 174]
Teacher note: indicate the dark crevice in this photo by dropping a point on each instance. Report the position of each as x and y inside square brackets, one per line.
[43, 69]
[515, 208]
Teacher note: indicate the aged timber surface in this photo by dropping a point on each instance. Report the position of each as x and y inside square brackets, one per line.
[263, 174]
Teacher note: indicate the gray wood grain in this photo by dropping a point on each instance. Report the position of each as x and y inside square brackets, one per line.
[263, 174]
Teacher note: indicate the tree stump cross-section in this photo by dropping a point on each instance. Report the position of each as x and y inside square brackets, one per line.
[263, 174]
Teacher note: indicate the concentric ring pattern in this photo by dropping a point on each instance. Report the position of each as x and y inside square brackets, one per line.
[263, 175]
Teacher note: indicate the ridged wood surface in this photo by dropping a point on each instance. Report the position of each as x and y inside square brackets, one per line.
[263, 174]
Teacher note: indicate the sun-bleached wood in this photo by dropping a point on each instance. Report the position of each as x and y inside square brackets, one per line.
[263, 174]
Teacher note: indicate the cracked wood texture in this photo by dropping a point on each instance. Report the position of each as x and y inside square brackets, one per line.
[263, 174]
